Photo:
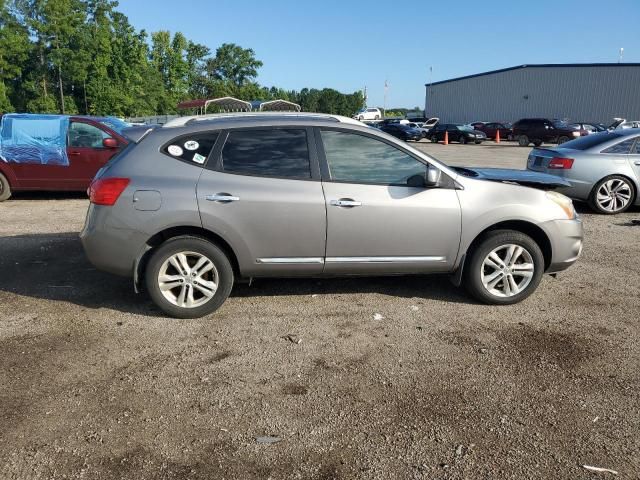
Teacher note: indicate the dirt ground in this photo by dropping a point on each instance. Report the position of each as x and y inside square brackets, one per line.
[96, 384]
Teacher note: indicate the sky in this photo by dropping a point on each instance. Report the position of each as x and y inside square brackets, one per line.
[351, 44]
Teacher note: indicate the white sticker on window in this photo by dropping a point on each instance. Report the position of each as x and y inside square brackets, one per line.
[175, 150]
[191, 145]
[199, 158]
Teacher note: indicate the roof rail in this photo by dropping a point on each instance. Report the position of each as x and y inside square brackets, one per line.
[183, 121]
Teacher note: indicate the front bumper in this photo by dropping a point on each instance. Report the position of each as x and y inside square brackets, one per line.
[566, 237]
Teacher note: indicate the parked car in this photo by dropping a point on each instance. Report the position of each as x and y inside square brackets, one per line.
[457, 133]
[621, 124]
[430, 123]
[202, 202]
[390, 121]
[540, 130]
[55, 152]
[420, 126]
[588, 128]
[603, 168]
[368, 114]
[490, 129]
[402, 131]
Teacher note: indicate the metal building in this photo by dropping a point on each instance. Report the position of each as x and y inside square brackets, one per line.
[589, 92]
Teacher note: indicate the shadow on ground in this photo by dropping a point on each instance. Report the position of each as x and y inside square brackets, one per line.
[54, 267]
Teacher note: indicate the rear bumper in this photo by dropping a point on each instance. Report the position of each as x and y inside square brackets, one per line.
[566, 237]
[110, 246]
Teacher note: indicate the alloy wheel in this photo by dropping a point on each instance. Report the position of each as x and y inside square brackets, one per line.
[188, 279]
[613, 195]
[507, 270]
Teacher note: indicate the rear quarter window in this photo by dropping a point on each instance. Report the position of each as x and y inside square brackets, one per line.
[589, 141]
[193, 148]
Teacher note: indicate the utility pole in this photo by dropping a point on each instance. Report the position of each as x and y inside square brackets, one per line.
[365, 97]
[386, 88]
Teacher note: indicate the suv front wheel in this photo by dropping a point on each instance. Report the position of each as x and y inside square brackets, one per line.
[505, 268]
[188, 277]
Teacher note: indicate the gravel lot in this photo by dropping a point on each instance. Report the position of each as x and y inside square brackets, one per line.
[95, 383]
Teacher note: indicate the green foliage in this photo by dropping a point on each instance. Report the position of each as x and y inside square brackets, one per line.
[83, 56]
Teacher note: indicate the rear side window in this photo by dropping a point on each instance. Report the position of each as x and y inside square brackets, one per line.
[194, 148]
[271, 153]
[620, 148]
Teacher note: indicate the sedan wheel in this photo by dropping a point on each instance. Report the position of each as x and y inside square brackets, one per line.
[434, 139]
[504, 267]
[562, 140]
[462, 139]
[188, 277]
[612, 195]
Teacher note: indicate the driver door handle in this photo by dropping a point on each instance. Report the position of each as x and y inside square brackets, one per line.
[345, 202]
[222, 197]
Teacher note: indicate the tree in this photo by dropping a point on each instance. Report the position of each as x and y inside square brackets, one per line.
[234, 63]
[15, 48]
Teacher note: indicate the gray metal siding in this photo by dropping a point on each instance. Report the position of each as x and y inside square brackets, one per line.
[586, 93]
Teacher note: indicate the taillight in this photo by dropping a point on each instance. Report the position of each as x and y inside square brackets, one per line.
[561, 163]
[105, 191]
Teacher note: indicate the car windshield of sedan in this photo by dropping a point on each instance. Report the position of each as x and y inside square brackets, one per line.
[466, 128]
[115, 124]
[560, 124]
[590, 141]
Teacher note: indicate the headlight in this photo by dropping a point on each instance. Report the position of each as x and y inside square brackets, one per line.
[575, 134]
[564, 203]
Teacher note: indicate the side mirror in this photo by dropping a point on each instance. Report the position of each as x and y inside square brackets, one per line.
[109, 143]
[433, 176]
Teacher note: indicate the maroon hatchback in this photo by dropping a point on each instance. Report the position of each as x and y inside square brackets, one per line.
[55, 152]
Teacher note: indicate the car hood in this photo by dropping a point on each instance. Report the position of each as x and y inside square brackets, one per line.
[526, 178]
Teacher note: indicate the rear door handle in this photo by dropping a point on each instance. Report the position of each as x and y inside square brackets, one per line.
[222, 197]
[345, 202]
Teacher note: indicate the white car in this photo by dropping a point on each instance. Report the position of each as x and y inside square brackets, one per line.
[429, 124]
[368, 114]
[623, 123]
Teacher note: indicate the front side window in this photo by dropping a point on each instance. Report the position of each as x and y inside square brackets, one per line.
[356, 158]
[194, 148]
[83, 135]
[621, 148]
[270, 152]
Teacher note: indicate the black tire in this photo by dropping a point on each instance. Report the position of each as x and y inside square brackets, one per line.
[474, 268]
[434, 139]
[424, 134]
[593, 196]
[537, 143]
[523, 140]
[5, 188]
[377, 117]
[478, 142]
[562, 140]
[462, 139]
[198, 246]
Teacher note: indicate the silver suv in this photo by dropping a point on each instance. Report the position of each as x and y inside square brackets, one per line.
[188, 208]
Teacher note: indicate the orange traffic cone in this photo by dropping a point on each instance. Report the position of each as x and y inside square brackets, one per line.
[446, 137]
[497, 136]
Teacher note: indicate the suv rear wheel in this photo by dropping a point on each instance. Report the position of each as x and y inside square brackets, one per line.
[5, 188]
[506, 267]
[523, 140]
[188, 277]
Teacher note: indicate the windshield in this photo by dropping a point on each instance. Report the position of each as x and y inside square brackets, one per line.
[115, 124]
[466, 128]
[590, 141]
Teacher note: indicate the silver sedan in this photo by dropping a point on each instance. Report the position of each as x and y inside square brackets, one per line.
[603, 169]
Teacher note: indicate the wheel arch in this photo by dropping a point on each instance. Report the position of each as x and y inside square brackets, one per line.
[531, 229]
[162, 236]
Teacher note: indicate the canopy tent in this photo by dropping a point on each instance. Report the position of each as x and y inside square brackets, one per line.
[230, 104]
[279, 106]
[224, 104]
